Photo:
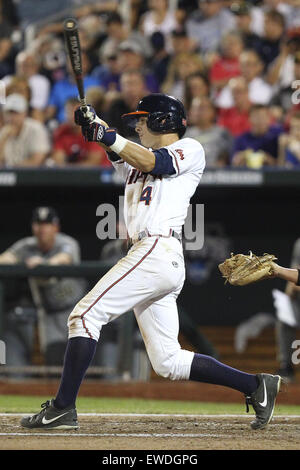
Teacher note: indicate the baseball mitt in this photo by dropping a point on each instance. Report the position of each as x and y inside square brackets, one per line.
[240, 270]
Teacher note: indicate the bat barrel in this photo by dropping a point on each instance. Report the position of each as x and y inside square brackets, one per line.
[73, 46]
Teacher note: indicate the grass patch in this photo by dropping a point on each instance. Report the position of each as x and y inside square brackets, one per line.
[31, 404]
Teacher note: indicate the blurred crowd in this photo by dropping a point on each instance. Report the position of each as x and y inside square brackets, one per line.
[234, 65]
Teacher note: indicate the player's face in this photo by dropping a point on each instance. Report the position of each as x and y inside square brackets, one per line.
[45, 233]
[147, 137]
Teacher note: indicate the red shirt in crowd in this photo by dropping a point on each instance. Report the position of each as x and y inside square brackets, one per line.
[235, 121]
[224, 70]
[76, 149]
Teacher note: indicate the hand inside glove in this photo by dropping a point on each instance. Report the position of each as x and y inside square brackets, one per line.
[93, 128]
[96, 132]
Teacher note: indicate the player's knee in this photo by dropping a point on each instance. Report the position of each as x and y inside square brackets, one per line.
[167, 368]
[83, 325]
[175, 366]
[161, 369]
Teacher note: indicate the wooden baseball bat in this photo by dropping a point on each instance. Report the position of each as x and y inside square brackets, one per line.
[74, 52]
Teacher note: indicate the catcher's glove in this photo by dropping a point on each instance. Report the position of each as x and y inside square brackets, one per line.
[240, 270]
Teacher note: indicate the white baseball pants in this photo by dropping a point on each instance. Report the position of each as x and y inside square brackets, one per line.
[148, 281]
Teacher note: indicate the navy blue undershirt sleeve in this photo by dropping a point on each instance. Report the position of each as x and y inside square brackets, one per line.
[163, 163]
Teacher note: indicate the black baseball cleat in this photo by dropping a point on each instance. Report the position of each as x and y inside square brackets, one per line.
[263, 399]
[51, 417]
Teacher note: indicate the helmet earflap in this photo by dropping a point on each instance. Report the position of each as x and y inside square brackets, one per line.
[165, 114]
[164, 123]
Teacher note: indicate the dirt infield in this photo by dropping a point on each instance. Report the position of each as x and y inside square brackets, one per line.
[154, 432]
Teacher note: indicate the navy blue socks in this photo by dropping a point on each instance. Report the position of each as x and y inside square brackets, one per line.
[209, 370]
[80, 352]
[78, 356]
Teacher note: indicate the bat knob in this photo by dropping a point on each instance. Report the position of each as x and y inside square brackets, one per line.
[90, 115]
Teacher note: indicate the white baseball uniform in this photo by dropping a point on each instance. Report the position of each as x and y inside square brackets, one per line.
[150, 277]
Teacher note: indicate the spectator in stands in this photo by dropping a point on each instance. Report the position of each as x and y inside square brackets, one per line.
[159, 18]
[289, 11]
[227, 65]
[117, 32]
[23, 141]
[160, 58]
[181, 42]
[91, 36]
[51, 51]
[184, 9]
[66, 88]
[107, 73]
[9, 22]
[70, 147]
[243, 24]
[268, 47]
[283, 99]
[19, 85]
[182, 46]
[7, 55]
[259, 146]
[180, 67]
[209, 23]
[236, 119]
[289, 144]
[260, 92]
[202, 127]
[196, 86]
[28, 66]
[47, 245]
[131, 56]
[133, 88]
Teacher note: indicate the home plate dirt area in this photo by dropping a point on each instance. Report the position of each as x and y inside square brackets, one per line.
[155, 432]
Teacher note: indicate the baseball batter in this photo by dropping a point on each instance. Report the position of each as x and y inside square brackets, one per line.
[161, 175]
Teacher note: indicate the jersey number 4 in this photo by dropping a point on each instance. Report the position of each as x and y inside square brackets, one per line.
[146, 195]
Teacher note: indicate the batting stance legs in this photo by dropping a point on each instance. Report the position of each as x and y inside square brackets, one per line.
[147, 280]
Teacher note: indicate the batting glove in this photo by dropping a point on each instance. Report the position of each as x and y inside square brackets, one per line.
[84, 117]
[96, 132]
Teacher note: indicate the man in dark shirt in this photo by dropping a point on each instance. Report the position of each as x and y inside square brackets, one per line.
[133, 88]
[259, 146]
[243, 18]
[269, 45]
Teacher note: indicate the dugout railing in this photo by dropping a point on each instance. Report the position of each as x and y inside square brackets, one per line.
[87, 270]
